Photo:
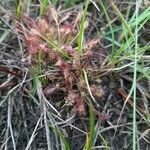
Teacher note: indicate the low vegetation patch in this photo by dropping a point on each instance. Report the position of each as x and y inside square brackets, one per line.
[74, 75]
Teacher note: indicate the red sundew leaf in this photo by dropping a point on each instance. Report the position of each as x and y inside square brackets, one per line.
[102, 55]
[69, 49]
[29, 22]
[88, 53]
[50, 89]
[103, 117]
[44, 47]
[90, 44]
[59, 64]
[65, 30]
[80, 106]
[33, 33]
[69, 80]
[52, 14]
[72, 95]
[33, 39]
[52, 56]
[51, 77]
[66, 33]
[43, 26]
[96, 90]
[76, 61]
[75, 99]
[32, 43]
[68, 76]
[87, 57]
[62, 65]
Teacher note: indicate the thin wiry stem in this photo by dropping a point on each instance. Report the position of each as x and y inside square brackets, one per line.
[135, 79]
[46, 126]
[33, 134]
[9, 121]
[44, 111]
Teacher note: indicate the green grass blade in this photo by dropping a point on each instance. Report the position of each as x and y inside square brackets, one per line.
[110, 26]
[69, 3]
[18, 9]
[4, 35]
[43, 6]
[81, 32]
[122, 19]
[104, 141]
[55, 2]
[90, 140]
[62, 137]
[143, 17]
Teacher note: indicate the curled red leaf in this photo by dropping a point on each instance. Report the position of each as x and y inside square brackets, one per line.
[76, 100]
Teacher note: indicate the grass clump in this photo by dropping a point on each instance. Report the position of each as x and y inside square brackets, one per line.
[52, 48]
